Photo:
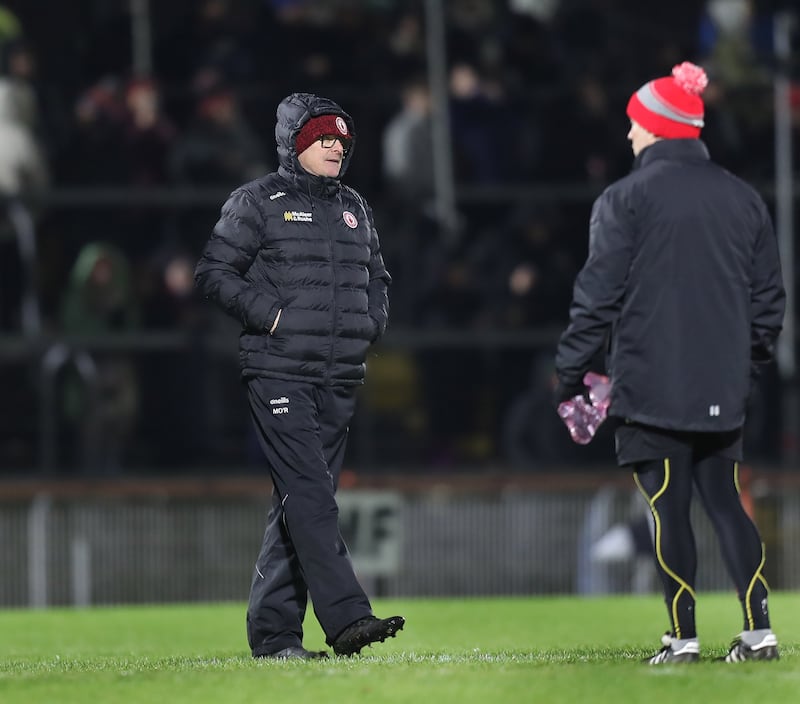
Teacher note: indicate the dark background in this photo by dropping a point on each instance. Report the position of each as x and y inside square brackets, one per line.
[537, 119]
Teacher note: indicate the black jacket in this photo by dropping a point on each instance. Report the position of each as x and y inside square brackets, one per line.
[305, 245]
[683, 280]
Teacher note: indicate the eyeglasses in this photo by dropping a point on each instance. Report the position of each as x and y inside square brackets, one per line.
[328, 140]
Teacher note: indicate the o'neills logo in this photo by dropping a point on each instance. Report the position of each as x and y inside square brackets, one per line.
[281, 405]
[341, 125]
[349, 219]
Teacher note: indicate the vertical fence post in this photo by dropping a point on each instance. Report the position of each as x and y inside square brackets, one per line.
[440, 96]
[141, 35]
[38, 518]
[784, 216]
[81, 571]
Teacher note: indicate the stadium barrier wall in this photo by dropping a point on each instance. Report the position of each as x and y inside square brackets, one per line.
[124, 542]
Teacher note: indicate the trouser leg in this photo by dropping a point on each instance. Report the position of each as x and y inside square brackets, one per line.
[740, 542]
[336, 405]
[278, 592]
[304, 446]
[667, 486]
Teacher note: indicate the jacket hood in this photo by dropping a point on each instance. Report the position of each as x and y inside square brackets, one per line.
[93, 303]
[293, 112]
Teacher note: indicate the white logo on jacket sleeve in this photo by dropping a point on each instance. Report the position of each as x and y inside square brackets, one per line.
[341, 125]
[349, 219]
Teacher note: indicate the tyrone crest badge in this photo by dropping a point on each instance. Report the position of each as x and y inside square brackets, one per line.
[349, 219]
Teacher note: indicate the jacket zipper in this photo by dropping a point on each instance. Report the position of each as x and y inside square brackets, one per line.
[334, 308]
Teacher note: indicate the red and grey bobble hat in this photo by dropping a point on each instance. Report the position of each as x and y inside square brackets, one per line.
[671, 107]
[320, 126]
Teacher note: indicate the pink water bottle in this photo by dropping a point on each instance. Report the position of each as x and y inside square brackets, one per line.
[583, 417]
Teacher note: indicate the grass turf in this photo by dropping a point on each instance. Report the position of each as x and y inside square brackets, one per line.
[554, 649]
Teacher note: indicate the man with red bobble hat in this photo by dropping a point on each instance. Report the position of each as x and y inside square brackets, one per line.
[682, 289]
[295, 257]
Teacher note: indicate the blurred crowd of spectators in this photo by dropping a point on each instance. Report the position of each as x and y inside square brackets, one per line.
[537, 90]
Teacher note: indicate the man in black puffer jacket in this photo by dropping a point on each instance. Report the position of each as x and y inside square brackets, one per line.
[295, 257]
[684, 282]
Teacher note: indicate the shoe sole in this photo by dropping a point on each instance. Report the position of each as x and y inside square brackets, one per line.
[682, 659]
[770, 652]
[389, 629]
[284, 655]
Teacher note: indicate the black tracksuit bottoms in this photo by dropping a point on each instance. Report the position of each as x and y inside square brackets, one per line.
[302, 429]
[667, 486]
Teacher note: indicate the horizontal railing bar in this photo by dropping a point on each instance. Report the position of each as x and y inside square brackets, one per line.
[213, 196]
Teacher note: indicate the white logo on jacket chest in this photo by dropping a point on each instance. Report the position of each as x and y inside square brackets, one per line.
[277, 195]
[297, 216]
[349, 219]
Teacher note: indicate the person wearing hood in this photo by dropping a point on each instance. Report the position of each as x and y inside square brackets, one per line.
[295, 256]
[683, 288]
[101, 410]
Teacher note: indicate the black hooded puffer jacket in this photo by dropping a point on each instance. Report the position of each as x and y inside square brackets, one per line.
[304, 245]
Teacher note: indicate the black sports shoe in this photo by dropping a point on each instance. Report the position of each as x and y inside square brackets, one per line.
[675, 651]
[295, 652]
[766, 649]
[366, 631]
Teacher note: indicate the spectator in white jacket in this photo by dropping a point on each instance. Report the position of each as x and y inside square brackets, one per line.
[23, 166]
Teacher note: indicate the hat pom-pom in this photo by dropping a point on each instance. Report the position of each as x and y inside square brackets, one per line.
[690, 77]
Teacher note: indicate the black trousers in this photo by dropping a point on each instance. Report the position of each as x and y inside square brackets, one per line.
[667, 485]
[302, 429]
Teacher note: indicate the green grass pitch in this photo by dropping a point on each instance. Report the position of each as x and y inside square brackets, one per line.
[533, 649]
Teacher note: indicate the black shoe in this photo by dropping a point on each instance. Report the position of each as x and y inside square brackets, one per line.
[767, 649]
[295, 652]
[366, 631]
[675, 651]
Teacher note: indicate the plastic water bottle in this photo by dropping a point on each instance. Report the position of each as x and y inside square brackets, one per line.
[583, 417]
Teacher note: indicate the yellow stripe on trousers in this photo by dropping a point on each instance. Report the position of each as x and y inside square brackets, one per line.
[758, 575]
[684, 587]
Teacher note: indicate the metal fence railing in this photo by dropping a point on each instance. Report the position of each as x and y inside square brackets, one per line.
[415, 377]
[159, 544]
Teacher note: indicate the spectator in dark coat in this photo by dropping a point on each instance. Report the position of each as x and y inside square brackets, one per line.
[683, 275]
[295, 257]
[219, 146]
